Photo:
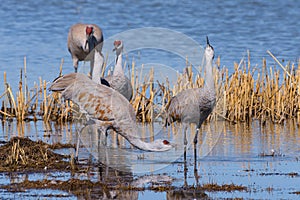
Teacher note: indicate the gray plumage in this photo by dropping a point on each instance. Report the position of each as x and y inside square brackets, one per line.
[195, 105]
[105, 106]
[118, 80]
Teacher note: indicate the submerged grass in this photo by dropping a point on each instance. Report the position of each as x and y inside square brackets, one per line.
[263, 93]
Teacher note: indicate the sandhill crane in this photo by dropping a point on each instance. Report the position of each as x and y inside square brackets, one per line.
[194, 105]
[118, 80]
[82, 39]
[106, 107]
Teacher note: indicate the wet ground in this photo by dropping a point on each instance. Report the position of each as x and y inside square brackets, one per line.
[247, 161]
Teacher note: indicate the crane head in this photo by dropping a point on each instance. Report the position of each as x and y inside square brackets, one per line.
[209, 50]
[161, 145]
[89, 30]
[118, 46]
[90, 39]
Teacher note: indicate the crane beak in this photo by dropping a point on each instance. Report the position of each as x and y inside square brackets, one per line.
[86, 43]
[174, 145]
[207, 41]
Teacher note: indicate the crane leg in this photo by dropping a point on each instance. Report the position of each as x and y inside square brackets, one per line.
[92, 67]
[195, 165]
[78, 138]
[195, 153]
[185, 167]
[196, 136]
[77, 147]
[75, 63]
[184, 136]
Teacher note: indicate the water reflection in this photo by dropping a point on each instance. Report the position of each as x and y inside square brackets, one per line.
[233, 156]
[110, 183]
[186, 194]
[122, 157]
[255, 138]
[215, 139]
[117, 153]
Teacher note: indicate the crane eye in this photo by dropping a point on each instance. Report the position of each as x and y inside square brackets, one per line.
[166, 142]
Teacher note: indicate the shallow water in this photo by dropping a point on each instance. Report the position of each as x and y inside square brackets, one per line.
[227, 154]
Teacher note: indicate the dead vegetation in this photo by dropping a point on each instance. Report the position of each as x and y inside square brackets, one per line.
[23, 154]
[86, 188]
[213, 187]
[261, 92]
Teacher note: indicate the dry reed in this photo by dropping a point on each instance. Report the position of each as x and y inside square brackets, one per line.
[263, 93]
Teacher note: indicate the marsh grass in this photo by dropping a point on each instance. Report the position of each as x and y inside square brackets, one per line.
[260, 92]
[21, 154]
[85, 188]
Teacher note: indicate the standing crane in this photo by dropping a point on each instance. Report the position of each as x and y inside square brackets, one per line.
[118, 80]
[82, 39]
[106, 107]
[194, 105]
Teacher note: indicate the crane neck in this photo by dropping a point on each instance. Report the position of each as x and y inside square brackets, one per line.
[97, 66]
[127, 127]
[138, 143]
[118, 67]
[209, 79]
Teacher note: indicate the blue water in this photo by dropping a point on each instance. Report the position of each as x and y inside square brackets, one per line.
[227, 154]
[38, 30]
